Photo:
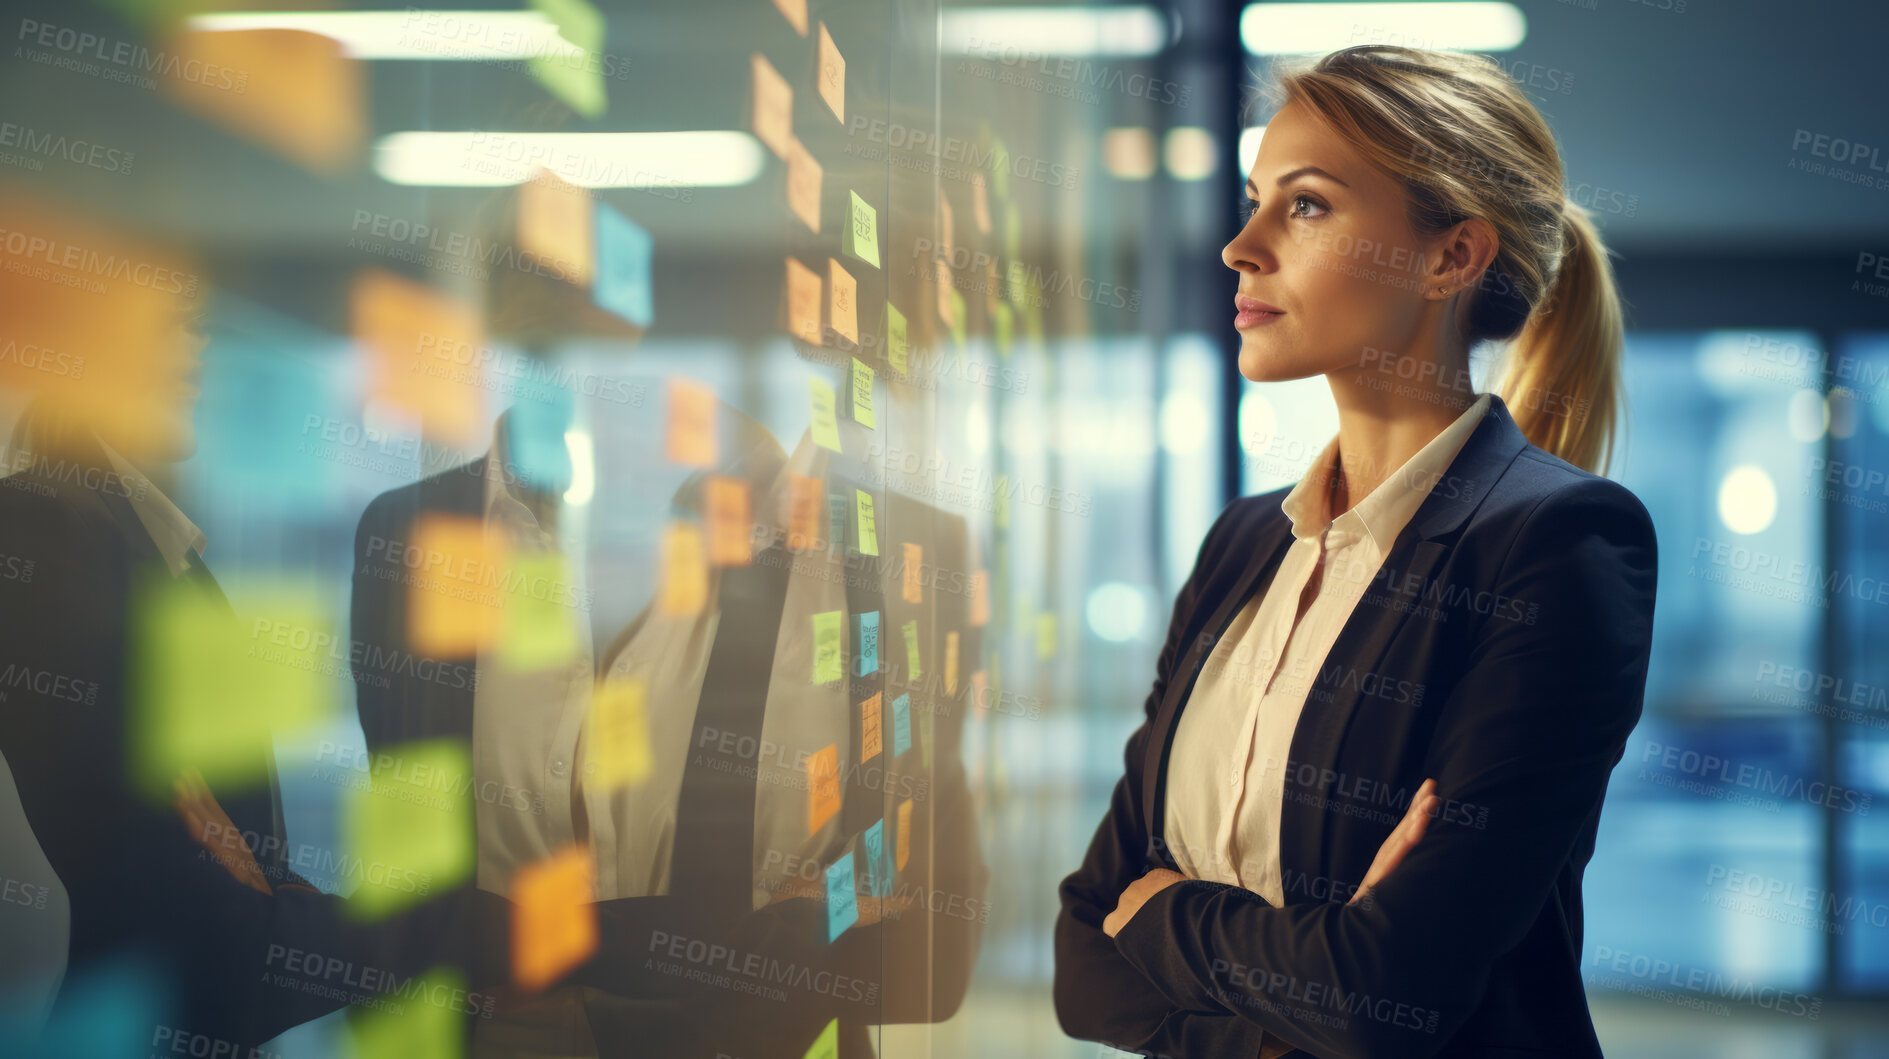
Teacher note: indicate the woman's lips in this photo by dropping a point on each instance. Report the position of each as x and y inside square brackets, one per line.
[1253, 312]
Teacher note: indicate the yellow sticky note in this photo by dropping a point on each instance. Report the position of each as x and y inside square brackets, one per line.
[826, 647]
[450, 565]
[201, 693]
[842, 301]
[895, 340]
[862, 392]
[868, 524]
[941, 272]
[805, 498]
[951, 662]
[773, 106]
[412, 1030]
[690, 437]
[554, 916]
[910, 629]
[412, 821]
[730, 536]
[980, 597]
[826, 423]
[684, 571]
[618, 737]
[912, 584]
[832, 75]
[823, 786]
[861, 237]
[804, 177]
[869, 735]
[540, 628]
[802, 297]
[795, 11]
[960, 317]
[905, 833]
[1045, 635]
[827, 1044]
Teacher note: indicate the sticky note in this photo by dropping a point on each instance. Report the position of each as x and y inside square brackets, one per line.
[901, 724]
[870, 738]
[823, 786]
[540, 628]
[804, 180]
[842, 301]
[411, 1030]
[1000, 170]
[946, 228]
[912, 583]
[773, 106]
[557, 222]
[836, 506]
[1001, 498]
[860, 239]
[980, 201]
[199, 693]
[412, 821]
[868, 529]
[959, 318]
[689, 438]
[730, 522]
[1045, 635]
[804, 495]
[941, 272]
[684, 588]
[980, 597]
[980, 693]
[925, 737]
[412, 334]
[910, 629]
[1003, 323]
[866, 639]
[951, 662]
[802, 297]
[905, 833]
[625, 253]
[896, 344]
[826, 647]
[878, 880]
[842, 901]
[832, 75]
[795, 11]
[862, 392]
[577, 79]
[535, 426]
[554, 916]
[827, 1044]
[826, 423]
[618, 736]
[448, 613]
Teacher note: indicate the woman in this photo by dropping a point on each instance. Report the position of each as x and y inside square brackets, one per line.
[1356, 818]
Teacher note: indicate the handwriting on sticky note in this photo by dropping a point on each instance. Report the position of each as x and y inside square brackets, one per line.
[773, 106]
[878, 879]
[618, 737]
[804, 180]
[804, 500]
[823, 786]
[868, 523]
[901, 724]
[905, 832]
[861, 237]
[730, 524]
[842, 301]
[826, 421]
[684, 588]
[866, 639]
[870, 738]
[554, 916]
[801, 295]
[842, 900]
[690, 434]
[826, 647]
[910, 629]
[862, 393]
[832, 75]
[912, 584]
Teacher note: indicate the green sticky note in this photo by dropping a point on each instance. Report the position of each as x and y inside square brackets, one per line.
[1016, 282]
[959, 314]
[1002, 499]
[924, 736]
[862, 392]
[1045, 634]
[868, 528]
[413, 821]
[1013, 231]
[826, 423]
[999, 168]
[861, 237]
[1004, 324]
[421, 1028]
[826, 647]
[540, 630]
[573, 74]
[827, 1044]
[910, 629]
[895, 342]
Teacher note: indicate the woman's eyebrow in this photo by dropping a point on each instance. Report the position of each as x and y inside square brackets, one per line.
[1286, 178]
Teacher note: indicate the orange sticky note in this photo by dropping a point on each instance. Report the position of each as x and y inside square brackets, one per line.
[842, 301]
[803, 302]
[297, 93]
[980, 690]
[618, 738]
[832, 75]
[804, 177]
[690, 437]
[905, 833]
[980, 597]
[823, 787]
[805, 499]
[420, 341]
[453, 605]
[941, 272]
[684, 570]
[557, 223]
[729, 540]
[869, 737]
[773, 106]
[554, 917]
[912, 586]
[795, 11]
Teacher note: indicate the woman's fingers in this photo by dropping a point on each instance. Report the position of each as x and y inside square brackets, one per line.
[1408, 832]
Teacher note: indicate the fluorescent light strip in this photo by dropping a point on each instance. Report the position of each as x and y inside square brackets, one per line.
[1297, 29]
[1031, 33]
[705, 159]
[450, 36]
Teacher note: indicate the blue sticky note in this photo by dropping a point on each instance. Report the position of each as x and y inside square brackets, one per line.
[624, 252]
[866, 643]
[535, 429]
[901, 724]
[842, 905]
[878, 880]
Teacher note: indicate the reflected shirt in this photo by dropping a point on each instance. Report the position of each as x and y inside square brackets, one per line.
[1232, 748]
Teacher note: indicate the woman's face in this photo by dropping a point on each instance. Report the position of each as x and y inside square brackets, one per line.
[1327, 243]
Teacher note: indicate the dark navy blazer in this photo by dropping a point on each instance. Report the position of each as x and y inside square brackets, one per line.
[1501, 649]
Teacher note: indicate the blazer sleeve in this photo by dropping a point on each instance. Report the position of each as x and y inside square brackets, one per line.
[1099, 995]
[1528, 738]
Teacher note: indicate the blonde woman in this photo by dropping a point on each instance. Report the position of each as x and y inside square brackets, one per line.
[1382, 724]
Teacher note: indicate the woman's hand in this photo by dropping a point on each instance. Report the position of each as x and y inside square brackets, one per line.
[210, 827]
[1137, 895]
[1402, 840]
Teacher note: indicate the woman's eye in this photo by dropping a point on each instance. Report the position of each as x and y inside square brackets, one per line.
[1297, 199]
[1248, 207]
